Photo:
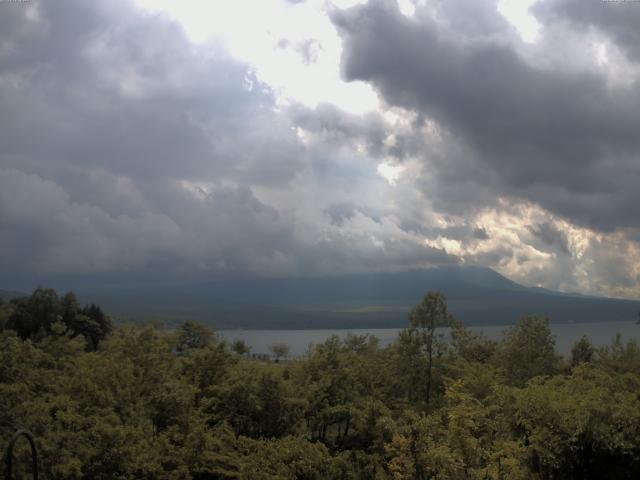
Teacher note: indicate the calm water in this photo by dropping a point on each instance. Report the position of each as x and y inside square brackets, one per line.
[600, 334]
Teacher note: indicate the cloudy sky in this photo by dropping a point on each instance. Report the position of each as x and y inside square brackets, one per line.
[191, 140]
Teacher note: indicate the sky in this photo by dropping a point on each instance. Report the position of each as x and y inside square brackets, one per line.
[181, 141]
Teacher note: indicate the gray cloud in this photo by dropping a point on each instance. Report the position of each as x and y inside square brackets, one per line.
[127, 150]
[610, 265]
[339, 212]
[496, 257]
[226, 229]
[128, 91]
[562, 139]
[469, 20]
[617, 20]
[120, 147]
[480, 233]
[549, 238]
[328, 124]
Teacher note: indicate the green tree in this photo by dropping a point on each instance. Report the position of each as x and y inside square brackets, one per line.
[620, 357]
[331, 386]
[349, 409]
[240, 347]
[5, 313]
[424, 318]
[208, 368]
[471, 346]
[93, 324]
[70, 307]
[528, 350]
[280, 350]
[584, 425]
[193, 335]
[289, 458]
[33, 316]
[582, 352]
[255, 401]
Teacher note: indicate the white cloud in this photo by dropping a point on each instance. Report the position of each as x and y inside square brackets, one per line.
[517, 12]
[268, 35]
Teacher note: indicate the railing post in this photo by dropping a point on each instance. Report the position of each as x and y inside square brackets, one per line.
[8, 460]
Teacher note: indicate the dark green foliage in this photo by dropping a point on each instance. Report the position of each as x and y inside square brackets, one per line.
[33, 317]
[424, 318]
[291, 458]
[240, 347]
[183, 405]
[279, 350]
[92, 323]
[582, 352]
[471, 346]
[586, 425]
[256, 402]
[620, 357]
[192, 336]
[6, 310]
[528, 350]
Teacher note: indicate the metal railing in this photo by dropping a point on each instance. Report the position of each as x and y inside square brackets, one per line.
[8, 459]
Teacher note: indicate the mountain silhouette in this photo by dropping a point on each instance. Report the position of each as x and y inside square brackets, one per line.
[475, 295]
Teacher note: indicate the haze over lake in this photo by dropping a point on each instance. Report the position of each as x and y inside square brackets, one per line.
[600, 334]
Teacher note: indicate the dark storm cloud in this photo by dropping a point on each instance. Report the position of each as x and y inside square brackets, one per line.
[127, 90]
[469, 19]
[106, 113]
[463, 232]
[618, 20]
[330, 124]
[228, 229]
[393, 254]
[550, 238]
[559, 138]
[127, 151]
[480, 233]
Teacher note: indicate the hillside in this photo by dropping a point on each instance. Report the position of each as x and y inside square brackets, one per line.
[478, 296]
[7, 295]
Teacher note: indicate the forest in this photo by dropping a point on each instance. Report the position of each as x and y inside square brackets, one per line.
[148, 402]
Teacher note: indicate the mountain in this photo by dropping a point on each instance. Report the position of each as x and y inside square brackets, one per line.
[477, 296]
[7, 295]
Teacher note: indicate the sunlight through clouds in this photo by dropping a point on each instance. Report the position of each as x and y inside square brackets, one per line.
[294, 48]
[390, 172]
[306, 136]
[517, 12]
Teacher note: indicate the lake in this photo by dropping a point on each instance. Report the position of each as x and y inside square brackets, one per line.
[566, 334]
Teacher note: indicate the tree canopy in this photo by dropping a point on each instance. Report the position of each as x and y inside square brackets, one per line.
[34, 317]
[145, 402]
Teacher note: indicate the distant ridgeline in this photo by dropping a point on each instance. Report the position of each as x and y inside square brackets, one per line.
[6, 295]
[477, 296]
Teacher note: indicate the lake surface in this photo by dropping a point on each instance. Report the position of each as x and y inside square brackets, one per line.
[566, 334]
